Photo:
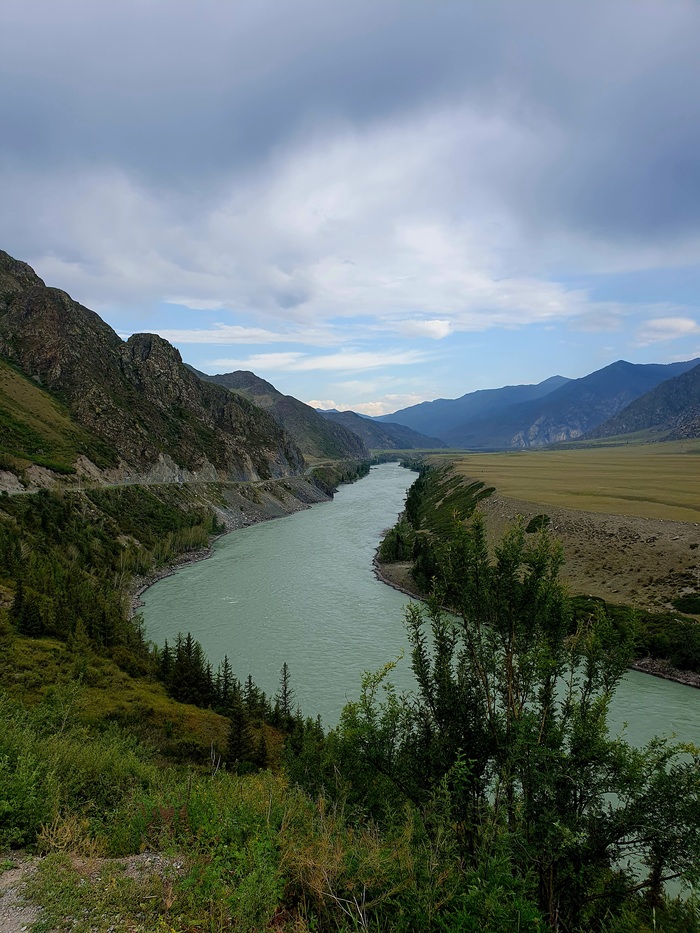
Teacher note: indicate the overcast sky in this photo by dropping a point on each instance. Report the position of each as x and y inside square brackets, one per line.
[368, 203]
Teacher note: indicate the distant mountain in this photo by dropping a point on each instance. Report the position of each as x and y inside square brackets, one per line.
[315, 436]
[568, 412]
[384, 436]
[442, 417]
[670, 411]
[131, 405]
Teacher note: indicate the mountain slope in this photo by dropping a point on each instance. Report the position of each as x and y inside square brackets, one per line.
[385, 435]
[36, 428]
[441, 417]
[671, 411]
[315, 436]
[568, 412]
[137, 397]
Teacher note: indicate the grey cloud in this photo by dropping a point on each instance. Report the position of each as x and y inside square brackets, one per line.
[596, 106]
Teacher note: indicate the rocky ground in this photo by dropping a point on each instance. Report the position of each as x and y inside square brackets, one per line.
[16, 915]
[641, 562]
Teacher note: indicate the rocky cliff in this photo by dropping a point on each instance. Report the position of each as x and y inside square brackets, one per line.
[317, 438]
[149, 410]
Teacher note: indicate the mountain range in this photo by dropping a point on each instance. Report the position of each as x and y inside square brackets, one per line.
[72, 388]
[75, 397]
[670, 411]
[553, 411]
[316, 437]
[386, 435]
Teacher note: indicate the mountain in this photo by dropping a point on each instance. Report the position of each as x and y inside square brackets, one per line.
[133, 403]
[670, 411]
[384, 436]
[315, 436]
[443, 416]
[568, 412]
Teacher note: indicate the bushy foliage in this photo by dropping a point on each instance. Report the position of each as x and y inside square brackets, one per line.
[509, 725]
[69, 558]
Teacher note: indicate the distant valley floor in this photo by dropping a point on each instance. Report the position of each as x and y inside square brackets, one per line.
[641, 562]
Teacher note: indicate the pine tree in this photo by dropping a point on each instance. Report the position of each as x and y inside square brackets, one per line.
[285, 698]
[240, 744]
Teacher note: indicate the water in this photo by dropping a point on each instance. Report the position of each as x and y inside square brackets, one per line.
[301, 589]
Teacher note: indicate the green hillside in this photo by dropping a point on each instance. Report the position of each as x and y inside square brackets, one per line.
[36, 428]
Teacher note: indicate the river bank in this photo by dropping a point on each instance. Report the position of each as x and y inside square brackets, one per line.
[398, 576]
[238, 505]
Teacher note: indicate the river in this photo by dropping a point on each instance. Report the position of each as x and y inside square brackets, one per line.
[301, 589]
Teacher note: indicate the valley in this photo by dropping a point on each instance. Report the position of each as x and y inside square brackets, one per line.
[124, 731]
[628, 517]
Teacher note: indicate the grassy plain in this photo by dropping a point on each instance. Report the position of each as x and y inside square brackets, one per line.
[659, 481]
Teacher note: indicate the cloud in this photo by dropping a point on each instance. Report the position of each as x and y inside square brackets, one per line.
[435, 329]
[670, 328]
[439, 180]
[389, 403]
[232, 334]
[326, 404]
[345, 361]
[381, 406]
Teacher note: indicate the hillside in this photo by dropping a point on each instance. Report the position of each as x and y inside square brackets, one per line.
[568, 412]
[36, 428]
[135, 403]
[671, 411]
[441, 417]
[316, 437]
[386, 435]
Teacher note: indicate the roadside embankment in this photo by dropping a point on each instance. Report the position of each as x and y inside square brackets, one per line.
[239, 505]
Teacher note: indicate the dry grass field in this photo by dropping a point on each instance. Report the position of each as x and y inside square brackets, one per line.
[628, 517]
[651, 481]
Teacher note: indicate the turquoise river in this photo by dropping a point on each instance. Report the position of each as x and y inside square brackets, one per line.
[301, 589]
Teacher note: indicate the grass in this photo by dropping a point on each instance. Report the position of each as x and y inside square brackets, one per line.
[36, 428]
[94, 691]
[660, 481]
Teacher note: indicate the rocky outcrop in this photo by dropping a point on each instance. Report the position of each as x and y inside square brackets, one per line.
[316, 437]
[138, 398]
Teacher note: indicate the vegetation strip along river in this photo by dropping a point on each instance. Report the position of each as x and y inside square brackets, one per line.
[302, 590]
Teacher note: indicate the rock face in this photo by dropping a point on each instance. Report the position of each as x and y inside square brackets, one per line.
[671, 411]
[316, 437]
[137, 397]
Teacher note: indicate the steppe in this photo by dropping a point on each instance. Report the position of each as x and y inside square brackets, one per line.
[628, 517]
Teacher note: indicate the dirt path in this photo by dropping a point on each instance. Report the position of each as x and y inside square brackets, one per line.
[16, 916]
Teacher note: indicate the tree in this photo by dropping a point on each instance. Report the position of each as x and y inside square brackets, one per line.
[510, 720]
[285, 699]
[240, 739]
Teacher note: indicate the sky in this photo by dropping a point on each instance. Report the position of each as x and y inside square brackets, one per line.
[368, 204]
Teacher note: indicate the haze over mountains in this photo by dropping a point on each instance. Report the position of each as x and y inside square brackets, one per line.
[556, 410]
[385, 436]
